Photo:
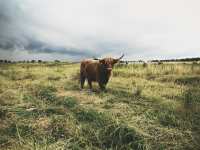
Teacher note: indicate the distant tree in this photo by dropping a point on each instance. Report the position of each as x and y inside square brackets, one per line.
[1, 61]
[57, 61]
[140, 61]
[155, 61]
[123, 62]
[144, 64]
[39, 61]
[32, 61]
[5, 61]
[178, 60]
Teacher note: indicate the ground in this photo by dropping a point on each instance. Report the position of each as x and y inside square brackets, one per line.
[146, 106]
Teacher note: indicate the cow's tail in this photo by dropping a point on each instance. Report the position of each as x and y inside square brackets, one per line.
[82, 74]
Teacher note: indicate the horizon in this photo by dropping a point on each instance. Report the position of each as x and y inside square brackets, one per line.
[124, 60]
[75, 30]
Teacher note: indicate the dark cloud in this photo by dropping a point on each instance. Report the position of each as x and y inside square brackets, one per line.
[11, 29]
[14, 35]
[39, 47]
[34, 46]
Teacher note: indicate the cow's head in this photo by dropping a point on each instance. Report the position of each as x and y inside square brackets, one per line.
[108, 63]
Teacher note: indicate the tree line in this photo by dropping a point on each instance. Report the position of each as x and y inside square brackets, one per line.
[125, 62]
[178, 60]
[26, 61]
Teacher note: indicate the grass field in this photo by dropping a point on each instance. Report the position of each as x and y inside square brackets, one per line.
[145, 107]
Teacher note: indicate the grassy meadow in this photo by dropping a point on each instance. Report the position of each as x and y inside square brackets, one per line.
[146, 106]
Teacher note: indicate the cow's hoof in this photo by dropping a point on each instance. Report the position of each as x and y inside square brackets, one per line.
[90, 92]
[105, 91]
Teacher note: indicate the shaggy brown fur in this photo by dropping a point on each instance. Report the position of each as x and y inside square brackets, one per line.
[97, 71]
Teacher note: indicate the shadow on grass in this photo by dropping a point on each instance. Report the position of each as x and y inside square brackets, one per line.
[189, 81]
[122, 95]
[192, 112]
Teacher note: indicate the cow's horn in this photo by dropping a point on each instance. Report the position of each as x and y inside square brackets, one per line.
[121, 57]
[96, 58]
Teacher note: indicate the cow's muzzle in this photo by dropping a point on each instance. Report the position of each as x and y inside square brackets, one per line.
[109, 69]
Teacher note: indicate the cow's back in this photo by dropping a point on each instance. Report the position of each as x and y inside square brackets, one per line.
[89, 68]
[84, 64]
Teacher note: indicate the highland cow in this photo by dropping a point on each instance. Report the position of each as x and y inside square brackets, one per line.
[97, 71]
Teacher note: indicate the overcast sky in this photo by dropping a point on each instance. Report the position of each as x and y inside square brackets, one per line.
[77, 29]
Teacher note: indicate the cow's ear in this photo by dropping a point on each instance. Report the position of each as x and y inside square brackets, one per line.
[102, 61]
[115, 61]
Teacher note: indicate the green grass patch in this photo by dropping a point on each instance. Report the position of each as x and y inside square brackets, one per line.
[47, 94]
[69, 102]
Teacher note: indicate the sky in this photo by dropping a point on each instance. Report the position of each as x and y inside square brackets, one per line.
[79, 29]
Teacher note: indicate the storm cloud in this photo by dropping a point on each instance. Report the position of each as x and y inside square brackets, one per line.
[65, 29]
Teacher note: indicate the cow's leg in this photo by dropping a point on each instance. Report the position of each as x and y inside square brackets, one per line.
[82, 79]
[90, 84]
[102, 86]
